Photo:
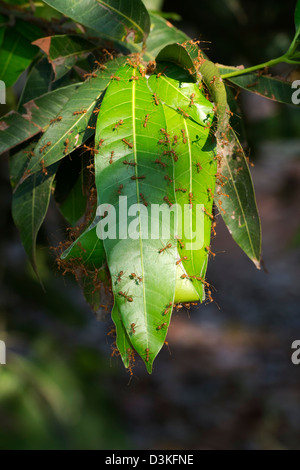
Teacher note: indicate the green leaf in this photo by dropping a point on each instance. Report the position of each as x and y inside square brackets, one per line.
[115, 19]
[123, 342]
[239, 210]
[63, 51]
[72, 130]
[74, 193]
[16, 128]
[267, 87]
[87, 248]
[38, 82]
[236, 194]
[195, 169]
[162, 33]
[16, 55]
[130, 101]
[30, 203]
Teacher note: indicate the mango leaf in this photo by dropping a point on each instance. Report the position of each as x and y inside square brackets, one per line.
[193, 151]
[127, 141]
[73, 188]
[30, 203]
[235, 196]
[63, 51]
[16, 55]
[115, 19]
[78, 113]
[87, 248]
[16, 128]
[38, 82]
[268, 87]
[162, 33]
[123, 342]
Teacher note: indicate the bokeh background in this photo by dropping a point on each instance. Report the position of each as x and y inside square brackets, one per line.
[227, 380]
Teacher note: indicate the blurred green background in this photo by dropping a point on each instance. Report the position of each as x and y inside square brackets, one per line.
[229, 382]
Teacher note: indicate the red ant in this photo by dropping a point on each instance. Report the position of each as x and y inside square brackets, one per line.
[199, 167]
[119, 123]
[169, 245]
[134, 77]
[181, 259]
[146, 120]
[182, 245]
[191, 197]
[111, 157]
[120, 189]
[167, 310]
[138, 177]
[183, 136]
[90, 149]
[183, 190]
[143, 199]
[130, 145]
[147, 350]
[137, 278]
[168, 178]
[44, 147]
[91, 75]
[113, 77]
[168, 201]
[59, 118]
[186, 115]
[125, 162]
[156, 101]
[161, 73]
[76, 113]
[162, 326]
[208, 214]
[159, 162]
[119, 276]
[175, 140]
[67, 141]
[44, 170]
[192, 100]
[122, 294]
[132, 327]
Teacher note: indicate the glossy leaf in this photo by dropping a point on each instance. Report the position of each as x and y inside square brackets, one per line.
[87, 248]
[138, 295]
[162, 33]
[72, 130]
[115, 19]
[237, 197]
[267, 87]
[123, 342]
[16, 128]
[63, 51]
[194, 178]
[16, 55]
[38, 82]
[30, 203]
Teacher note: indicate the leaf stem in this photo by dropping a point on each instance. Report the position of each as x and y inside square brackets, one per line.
[269, 63]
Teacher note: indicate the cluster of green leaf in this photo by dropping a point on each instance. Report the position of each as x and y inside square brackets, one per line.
[117, 101]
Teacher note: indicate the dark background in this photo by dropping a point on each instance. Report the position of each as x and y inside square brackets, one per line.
[229, 382]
